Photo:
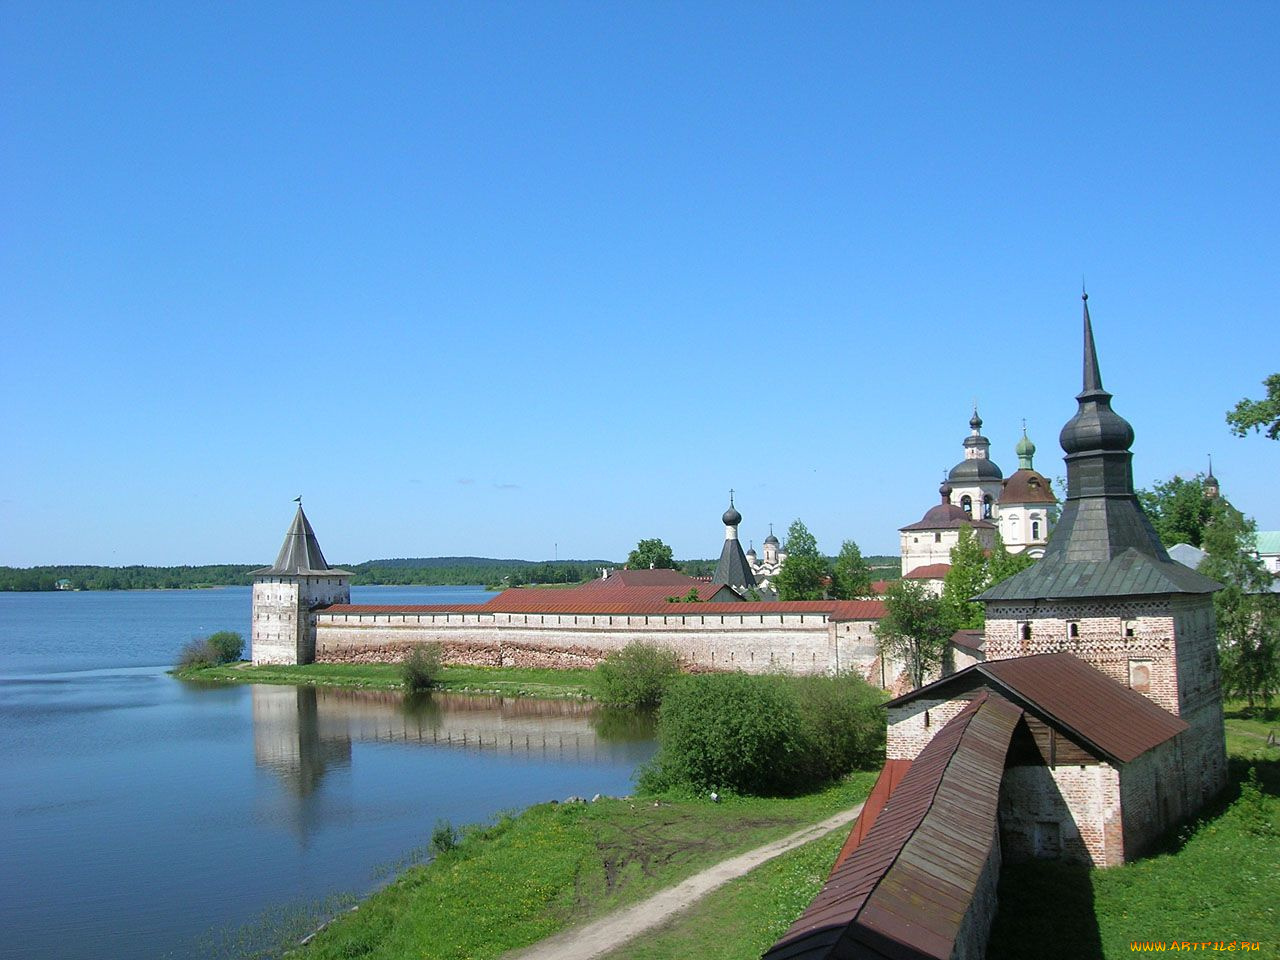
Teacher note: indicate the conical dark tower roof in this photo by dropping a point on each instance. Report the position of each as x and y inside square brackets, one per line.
[1103, 544]
[300, 554]
[733, 568]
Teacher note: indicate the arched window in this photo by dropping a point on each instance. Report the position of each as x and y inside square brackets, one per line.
[986, 507]
[1035, 529]
[966, 504]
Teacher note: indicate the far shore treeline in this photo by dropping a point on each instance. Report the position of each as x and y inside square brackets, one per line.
[414, 571]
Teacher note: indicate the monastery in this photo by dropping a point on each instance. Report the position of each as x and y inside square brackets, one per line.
[1088, 725]
[1083, 722]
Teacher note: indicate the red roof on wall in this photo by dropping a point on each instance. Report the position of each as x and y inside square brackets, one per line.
[641, 601]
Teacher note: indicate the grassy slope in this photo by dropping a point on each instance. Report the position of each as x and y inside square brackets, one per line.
[531, 875]
[509, 681]
[1220, 885]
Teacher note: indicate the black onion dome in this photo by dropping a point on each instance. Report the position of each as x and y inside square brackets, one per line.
[977, 468]
[731, 516]
[1095, 426]
[771, 539]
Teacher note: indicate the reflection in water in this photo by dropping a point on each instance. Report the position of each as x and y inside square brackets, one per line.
[299, 733]
[288, 741]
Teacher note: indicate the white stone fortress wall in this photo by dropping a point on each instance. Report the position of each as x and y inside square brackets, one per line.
[754, 643]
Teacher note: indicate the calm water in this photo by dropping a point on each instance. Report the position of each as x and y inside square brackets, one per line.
[145, 817]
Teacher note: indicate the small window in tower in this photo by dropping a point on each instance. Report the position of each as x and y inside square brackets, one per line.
[937, 538]
[1035, 529]
[966, 504]
[1073, 630]
[1130, 628]
[986, 507]
[1024, 630]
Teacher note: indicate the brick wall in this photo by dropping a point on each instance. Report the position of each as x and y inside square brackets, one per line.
[1083, 801]
[914, 724]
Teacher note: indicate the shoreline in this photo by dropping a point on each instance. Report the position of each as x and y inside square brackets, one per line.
[571, 684]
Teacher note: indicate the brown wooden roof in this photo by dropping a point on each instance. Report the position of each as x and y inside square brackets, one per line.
[903, 893]
[1067, 693]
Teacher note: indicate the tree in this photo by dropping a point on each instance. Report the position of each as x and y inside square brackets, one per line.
[969, 576]
[1002, 564]
[851, 577]
[651, 554]
[804, 573]
[800, 542]
[1259, 415]
[1248, 614]
[1178, 509]
[915, 629]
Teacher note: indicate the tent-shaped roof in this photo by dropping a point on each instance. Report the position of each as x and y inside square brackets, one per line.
[1103, 544]
[300, 554]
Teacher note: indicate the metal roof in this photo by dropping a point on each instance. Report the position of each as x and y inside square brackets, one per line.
[969, 639]
[1069, 694]
[1267, 541]
[1131, 573]
[1026, 486]
[638, 601]
[929, 571]
[1103, 544]
[906, 888]
[300, 554]
[733, 569]
[643, 578]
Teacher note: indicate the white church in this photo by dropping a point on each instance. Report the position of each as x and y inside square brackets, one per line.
[976, 495]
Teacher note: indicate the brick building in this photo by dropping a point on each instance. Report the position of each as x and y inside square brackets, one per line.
[1090, 724]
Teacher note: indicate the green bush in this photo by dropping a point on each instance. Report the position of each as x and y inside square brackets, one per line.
[638, 675]
[197, 653]
[444, 837]
[846, 720]
[226, 645]
[421, 667]
[767, 735]
[223, 647]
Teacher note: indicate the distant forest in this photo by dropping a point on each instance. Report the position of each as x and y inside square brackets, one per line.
[418, 571]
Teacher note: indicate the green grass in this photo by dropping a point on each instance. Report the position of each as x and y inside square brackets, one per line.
[507, 681]
[746, 916]
[559, 864]
[1217, 881]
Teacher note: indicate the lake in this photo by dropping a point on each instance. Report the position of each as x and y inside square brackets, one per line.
[145, 817]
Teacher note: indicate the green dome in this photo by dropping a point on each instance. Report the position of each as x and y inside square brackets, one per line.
[1025, 451]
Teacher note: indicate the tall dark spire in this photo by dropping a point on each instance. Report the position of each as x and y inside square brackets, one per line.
[1103, 543]
[1092, 375]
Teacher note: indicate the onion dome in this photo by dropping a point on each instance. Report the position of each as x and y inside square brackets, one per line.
[1211, 489]
[731, 516]
[1096, 428]
[944, 490]
[751, 553]
[967, 472]
[771, 539]
[1025, 450]
[977, 465]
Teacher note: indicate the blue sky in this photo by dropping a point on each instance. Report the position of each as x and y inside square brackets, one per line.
[518, 280]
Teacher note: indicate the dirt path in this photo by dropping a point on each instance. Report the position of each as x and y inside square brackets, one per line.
[599, 937]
